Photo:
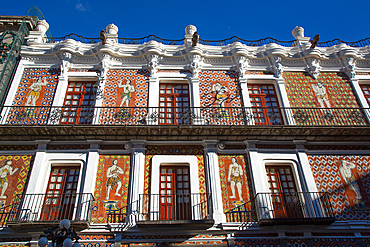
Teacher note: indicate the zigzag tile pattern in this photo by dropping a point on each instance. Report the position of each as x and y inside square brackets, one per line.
[328, 178]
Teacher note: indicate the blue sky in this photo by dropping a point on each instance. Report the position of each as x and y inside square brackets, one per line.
[215, 20]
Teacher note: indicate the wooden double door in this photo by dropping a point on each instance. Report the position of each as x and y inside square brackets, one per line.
[60, 199]
[175, 196]
[285, 199]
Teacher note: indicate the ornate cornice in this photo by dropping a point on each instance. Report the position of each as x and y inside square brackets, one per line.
[218, 57]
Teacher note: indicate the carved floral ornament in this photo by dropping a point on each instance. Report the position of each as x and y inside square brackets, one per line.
[276, 66]
[313, 67]
[195, 64]
[350, 66]
[153, 62]
[242, 64]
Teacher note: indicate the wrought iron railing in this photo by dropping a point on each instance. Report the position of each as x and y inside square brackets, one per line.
[6, 213]
[242, 213]
[156, 207]
[224, 42]
[67, 115]
[234, 39]
[52, 207]
[293, 205]
[275, 206]
[117, 216]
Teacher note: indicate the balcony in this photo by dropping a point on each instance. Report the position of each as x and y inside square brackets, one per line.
[26, 115]
[196, 123]
[175, 210]
[285, 209]
[43, 210]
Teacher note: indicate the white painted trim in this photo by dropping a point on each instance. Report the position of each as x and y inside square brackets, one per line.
[176, 160]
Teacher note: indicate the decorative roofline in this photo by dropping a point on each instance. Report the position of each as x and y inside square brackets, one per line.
[224, 42]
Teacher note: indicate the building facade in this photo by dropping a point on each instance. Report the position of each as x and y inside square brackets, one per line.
[187, 142]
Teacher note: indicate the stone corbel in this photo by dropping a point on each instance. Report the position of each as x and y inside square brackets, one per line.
[350, 66]
[242, 64]
[313, 67]
[195, 65]
[153, 63]
[65, 64]
[276, 66]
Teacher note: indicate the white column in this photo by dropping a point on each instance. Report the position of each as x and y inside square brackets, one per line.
[259, 181]
[60, 90]
[195, 93]
[88, 179]
[39, 173]
[136, 186]
[213, 180]
[257, 170]
[91, 167]
[313, 206]
[195, 100]
[359, 94]
[246, 101]
[361, 97]
[153, 100]
[285, 101]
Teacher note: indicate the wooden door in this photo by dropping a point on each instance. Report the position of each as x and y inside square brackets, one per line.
[264, 104]
[285, 199]
[60, 196]
[175, 197]
[174, 104]
[79, 103]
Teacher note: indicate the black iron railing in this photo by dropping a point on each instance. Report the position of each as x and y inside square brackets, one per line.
[275, 206]
[45, 115]
[228, 41]
[293, 205]
[52, 207]
[6, 213]
[242, 213]
[117, 216]
[156, 207]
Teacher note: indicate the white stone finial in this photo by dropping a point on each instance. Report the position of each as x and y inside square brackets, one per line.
[42, 26]
[111, 29]
[298, 32]
[190, 30]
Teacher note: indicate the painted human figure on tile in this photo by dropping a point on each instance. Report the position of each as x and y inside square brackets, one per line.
[113, 178]
[349, 178]
[126, 94]
[5, 171]
[34, 92]
[235, 178]
[221, 94]
[321, 94]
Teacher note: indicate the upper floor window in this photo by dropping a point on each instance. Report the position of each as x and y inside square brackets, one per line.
[79, 103]
[61, 195]
[174, 103]
[366, 90]
[265, 104]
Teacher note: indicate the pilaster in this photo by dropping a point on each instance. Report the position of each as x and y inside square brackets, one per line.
[136, 186]
[285, 101]
[91, 166]
[38, 166]
[213, 179]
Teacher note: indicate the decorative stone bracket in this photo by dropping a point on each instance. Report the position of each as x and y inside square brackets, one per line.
[350, 66]
[313, 67]
[153, 63]
[276, 66]
[195, 66]
[242, 64]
